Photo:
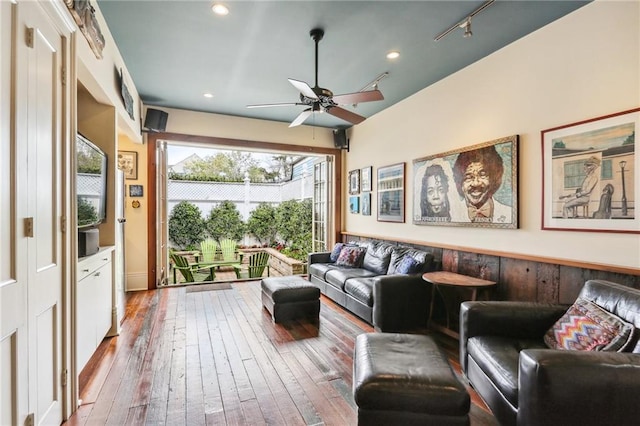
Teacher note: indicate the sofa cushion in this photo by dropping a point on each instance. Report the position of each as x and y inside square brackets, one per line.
[350, 256]
[422, 257]
[335, 253]
[587, 327]
[360, 289]
[338, 276]
[408, 265]
[498, 358]
[377, 257]
[320, 269]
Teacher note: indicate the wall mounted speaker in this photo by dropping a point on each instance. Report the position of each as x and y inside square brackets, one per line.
[340, 139]
[156, 120]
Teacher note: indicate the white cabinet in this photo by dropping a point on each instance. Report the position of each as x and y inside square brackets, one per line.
[94, 303]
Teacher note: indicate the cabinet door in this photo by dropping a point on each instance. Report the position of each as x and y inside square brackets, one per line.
[103, 301]
[86, 328]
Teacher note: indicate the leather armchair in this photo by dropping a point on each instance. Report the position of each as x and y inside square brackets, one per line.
[503, 355]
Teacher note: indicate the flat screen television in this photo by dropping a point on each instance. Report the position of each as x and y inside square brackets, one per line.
[91, 183]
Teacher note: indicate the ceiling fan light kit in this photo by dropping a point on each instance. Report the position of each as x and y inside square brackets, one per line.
[318, 99]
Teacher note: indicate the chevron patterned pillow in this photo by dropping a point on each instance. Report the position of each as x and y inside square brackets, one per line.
[587, 327]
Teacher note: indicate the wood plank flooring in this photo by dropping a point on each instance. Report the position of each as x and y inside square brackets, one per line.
[216, 358]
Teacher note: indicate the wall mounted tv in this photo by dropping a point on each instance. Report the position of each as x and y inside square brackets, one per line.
[91, 183]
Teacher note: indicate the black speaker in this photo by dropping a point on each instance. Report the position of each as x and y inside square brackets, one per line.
[88, 240]
[340, 139]
[156, 120]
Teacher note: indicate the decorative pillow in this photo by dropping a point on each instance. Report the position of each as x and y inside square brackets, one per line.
[336, 251]
[587, 327]
[350, 256]
[408, 265]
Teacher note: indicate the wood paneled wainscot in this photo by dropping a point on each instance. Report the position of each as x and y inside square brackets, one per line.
[94, 303]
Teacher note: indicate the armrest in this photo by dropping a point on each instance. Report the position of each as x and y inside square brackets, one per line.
[578, 388]
[319, 257]
[508, 319]
[400, 303]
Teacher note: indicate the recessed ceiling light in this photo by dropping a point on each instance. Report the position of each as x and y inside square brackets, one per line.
[393, 54]
[220, 9]
[208, 95]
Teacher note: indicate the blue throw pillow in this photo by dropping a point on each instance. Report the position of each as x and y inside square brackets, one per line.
[408, 265]
[335, 253]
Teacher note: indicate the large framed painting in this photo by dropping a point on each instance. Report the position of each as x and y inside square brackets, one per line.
[391, 193]
[589, 178]
[476, 186]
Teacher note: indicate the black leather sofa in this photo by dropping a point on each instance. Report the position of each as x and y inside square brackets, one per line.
[390, 302]
[504, 357]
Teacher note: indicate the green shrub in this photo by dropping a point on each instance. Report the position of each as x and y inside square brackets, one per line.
[186, 227]
[262, 223]
[224, 221]
[293, 220]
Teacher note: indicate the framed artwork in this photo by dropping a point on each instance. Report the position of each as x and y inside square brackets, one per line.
[366, 203]
[589, 178]
[391, 193]
[354, 182]
[366, 175]
[136, 191]
[128, 163]
[475, 186]
[354, 204]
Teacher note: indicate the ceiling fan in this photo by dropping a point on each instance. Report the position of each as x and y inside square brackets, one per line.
[319, 99]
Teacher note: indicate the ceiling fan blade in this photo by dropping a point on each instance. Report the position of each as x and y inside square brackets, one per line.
[303, 88]
[358, 97]
[274, 105]
[345, 115]
[301, 117]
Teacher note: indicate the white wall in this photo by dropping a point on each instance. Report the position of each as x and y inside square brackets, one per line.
[582, 66]
[226, 126]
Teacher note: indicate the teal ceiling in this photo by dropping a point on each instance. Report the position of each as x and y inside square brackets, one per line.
[175, 51]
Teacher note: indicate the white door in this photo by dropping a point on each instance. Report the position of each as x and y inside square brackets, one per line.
[14, 399]
[39, 237]
[162, 217]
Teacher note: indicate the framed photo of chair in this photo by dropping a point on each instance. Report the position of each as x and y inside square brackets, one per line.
[589, 175]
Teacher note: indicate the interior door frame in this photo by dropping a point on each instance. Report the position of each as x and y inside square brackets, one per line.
[245, 145]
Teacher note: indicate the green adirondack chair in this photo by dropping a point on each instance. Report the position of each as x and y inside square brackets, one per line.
[191, 273]
[229, 252]
[208, 250]
[257, 263]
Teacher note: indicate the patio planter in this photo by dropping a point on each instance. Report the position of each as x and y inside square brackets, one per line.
[283, 265]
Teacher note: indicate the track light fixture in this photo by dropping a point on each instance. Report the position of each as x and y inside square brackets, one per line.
[465, 24]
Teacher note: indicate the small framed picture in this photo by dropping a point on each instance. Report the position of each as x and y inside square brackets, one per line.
[128, 163]
[136, 191]
[366, 203]
[391, 193]
[354, 204]
[366, 174]
[354, 182]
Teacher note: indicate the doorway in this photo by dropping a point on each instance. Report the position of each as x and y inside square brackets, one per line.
[322, 172]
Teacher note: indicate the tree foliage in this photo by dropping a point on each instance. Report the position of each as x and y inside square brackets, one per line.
[262, 223]
[231, 166]
[234, 166]
[293, 219]
[224, 221]
[186, 227]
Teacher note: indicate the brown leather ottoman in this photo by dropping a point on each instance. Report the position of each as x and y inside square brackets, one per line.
[290, 298]
[405, 379]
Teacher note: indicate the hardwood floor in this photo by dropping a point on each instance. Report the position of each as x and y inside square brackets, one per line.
[191, 357]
